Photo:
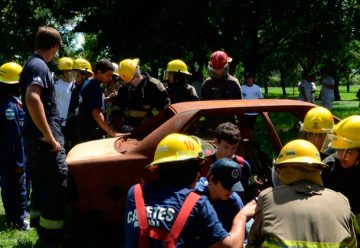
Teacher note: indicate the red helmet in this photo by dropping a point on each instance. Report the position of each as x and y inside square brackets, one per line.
[218, 60]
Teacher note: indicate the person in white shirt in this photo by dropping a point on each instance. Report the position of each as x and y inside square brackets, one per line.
[306, 88]
[327, 89]
[250, 90]
[63, 86]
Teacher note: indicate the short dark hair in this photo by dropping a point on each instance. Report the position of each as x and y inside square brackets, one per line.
[228, 132]
[179, 173]
[47, 37]
[103, 65]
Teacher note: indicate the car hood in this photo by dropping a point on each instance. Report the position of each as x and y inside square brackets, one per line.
[102, 149]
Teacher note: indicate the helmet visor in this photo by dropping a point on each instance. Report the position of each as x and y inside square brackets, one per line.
[316, 139]
[342, 146]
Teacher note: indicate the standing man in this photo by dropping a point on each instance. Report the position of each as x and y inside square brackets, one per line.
[178, 88]
[301, 212]
[91, 121]
[44, 140]
[220, 84]
[251, 91]
[63, 86]
[327, 89]
[141, 96]
[82, 71]
[12, 154]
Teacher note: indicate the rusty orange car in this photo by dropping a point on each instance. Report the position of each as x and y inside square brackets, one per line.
[102, 171]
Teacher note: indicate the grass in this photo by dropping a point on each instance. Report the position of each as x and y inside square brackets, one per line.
[94, 236]
[349, 104]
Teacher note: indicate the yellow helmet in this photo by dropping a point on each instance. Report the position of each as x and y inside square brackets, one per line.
[83, 65]
[177, 147]
[177, 65]
[65, 64]
[127, 69]
[318, 120]
[299, 152]
[10, 73]
[346, 134]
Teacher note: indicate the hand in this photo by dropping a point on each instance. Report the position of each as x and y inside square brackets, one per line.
[53, 142]
[249, 209]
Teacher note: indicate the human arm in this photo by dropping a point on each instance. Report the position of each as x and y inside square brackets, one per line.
[100, 120]
[37, 113]
[237, 233]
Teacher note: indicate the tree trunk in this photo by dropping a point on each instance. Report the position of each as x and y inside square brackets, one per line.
[282, 78]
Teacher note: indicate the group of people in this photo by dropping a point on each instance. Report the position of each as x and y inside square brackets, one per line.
[307, 88]
[179, 209]
[313, 202]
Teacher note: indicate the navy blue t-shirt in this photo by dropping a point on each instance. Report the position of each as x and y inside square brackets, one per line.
[163, 203]
[11, 131]
[226, 210]
[37, 72]
[91, 97]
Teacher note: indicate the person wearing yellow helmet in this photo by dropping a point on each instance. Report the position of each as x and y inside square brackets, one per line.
[140, 97]
[344, 165]
[44, 141]
[167, 209]
[63, 86]
[318, 121]
[323, 214]
[82, 71]
[176, 76]
[12, 154]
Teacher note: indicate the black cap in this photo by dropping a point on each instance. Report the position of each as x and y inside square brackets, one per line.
[249, 74]
[229, 174]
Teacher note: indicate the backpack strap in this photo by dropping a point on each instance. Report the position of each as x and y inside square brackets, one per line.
[183, 215]
[240, 160]
[142, 219]
[170, 238]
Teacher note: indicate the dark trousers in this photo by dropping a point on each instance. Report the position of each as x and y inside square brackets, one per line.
[48, 174]
[14, 194]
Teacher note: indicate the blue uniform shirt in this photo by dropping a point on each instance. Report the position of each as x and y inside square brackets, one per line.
[91, 97]
[225, 210]
[37, 72]
[11, 130]
[162, 203]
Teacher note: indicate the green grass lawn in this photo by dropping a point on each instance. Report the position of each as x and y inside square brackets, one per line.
[95, 236]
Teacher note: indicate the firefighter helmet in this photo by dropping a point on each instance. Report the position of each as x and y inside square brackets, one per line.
[82, 65]
[65, 64]
[346, 134]
[10, 73]
[299, 152]
[318, 120]
[127, 69]
[177, 65]
[177, 147]
[219, 60]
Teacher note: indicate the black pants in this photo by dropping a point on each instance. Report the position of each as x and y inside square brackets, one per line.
[48, 174]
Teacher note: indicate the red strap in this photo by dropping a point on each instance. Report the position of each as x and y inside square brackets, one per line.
[239, 160]
[171, 237]
[141, 214]
[183, 215]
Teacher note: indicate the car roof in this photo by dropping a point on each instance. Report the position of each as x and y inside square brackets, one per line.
[248, 105]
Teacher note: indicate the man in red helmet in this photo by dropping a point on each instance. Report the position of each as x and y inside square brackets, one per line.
[220, 85]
